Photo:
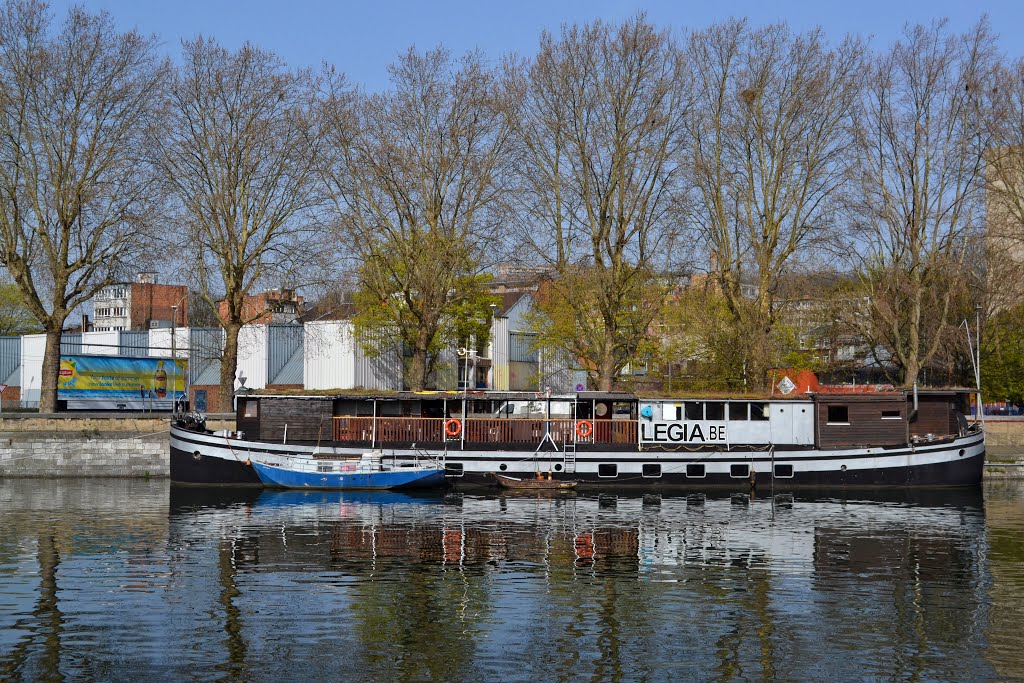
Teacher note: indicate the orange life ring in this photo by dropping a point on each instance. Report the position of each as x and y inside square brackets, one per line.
[452, 427]
[584, 429]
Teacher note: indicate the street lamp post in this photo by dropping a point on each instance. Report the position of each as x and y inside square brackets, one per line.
[174, 361]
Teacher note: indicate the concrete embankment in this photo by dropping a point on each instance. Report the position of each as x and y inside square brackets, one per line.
[1004, 445]
[89, 444]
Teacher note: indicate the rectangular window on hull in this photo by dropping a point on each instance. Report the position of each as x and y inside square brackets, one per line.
[453, 469]
[784, 471]
[652, 470]
[739, 471]
[695, 470]
[607, 470]
[891, 415]
[838, 415]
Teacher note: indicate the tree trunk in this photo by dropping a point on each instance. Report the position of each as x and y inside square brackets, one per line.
[911, 370]
[606, 370]
[228, 366]
[51, 368]
[418, 370]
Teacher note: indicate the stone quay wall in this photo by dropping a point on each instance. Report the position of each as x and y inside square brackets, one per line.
[88, 445]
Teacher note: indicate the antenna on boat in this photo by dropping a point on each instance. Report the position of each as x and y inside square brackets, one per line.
[975, 352]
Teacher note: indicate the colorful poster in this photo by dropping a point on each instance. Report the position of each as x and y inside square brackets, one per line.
[118, 382]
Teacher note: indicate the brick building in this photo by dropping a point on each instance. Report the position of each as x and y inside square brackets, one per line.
[272, 307]
[139, 305]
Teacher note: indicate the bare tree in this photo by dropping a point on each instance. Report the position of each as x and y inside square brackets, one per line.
[77, 195]
[921, 137]
[1004, 192]
[770, 144]
[600, 125]
[417, 174]
[240, 154]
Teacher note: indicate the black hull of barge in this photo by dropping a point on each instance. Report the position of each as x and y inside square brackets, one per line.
[966, 472]
[186, 468]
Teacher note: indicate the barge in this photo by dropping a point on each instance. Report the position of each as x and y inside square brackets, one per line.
[603, 441]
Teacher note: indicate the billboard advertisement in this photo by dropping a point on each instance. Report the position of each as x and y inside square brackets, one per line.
[120, 383]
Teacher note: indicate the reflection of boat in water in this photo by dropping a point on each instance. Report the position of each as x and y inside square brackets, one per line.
[367, 473]
[297, 498]
[518, 484]
[649, 532]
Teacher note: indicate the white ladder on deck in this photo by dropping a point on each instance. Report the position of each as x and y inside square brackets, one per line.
[569, 455]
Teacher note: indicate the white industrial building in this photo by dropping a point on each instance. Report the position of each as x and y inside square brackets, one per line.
[317, 355]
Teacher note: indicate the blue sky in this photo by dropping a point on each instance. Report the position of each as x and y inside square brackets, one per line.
[361, 38]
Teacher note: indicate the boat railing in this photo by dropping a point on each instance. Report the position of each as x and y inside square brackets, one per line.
[482, 430]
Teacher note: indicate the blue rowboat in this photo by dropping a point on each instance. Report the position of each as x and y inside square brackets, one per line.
[318, 474]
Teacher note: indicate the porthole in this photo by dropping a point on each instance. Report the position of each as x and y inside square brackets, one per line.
[558, 468]
[962, 451]
[842, 468]
[651, 470]
[197, 456]
[739, 471]
[502, 467]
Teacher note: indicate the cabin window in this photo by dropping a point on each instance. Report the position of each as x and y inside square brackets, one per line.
[759, 411]
[561, 409]
[624, 410]
[714, 410]
[607, 470]
[652, 469]
[738, 411]
[252, 409]
[695, 469]
[453, 469]
[838, 415]
[784, 471]
[694, 410]
[891, 415]
[739, 471]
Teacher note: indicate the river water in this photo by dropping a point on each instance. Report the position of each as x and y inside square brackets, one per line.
[137, 580]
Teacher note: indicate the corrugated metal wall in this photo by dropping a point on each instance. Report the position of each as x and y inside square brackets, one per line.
[446, 369]
[522, 347]
[70, 344]
[328, 352]
[499, 354]
[10, 360]
[205, 348]
[384, 371]
[134, 343]
[559, 371]
[252, 355]
[285, 354]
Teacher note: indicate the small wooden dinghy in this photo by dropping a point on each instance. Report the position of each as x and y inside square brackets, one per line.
[535, 484]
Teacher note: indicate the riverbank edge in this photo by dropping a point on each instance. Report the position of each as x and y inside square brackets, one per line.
[89, 445]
